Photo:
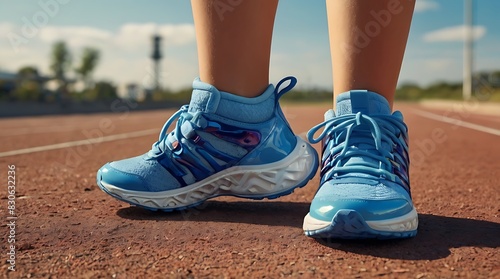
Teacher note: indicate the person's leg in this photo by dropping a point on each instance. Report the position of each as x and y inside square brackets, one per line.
[367, 42]
[232, 138]
[234, 43]
[365, 189]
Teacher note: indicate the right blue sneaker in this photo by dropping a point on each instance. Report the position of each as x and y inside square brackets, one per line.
[364, 189]
[222, 144]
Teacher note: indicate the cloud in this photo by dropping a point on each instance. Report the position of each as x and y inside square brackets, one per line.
[6, 27]
[77, 36]
[426, 5]
[124, 52]
[129, 36]
[135, 36]
[454, 34]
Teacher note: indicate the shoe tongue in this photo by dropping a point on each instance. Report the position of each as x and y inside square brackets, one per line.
[364, 101]
[368, 103]
[205, 97]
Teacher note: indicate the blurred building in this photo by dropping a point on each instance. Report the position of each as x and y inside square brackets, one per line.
[7, 83]
[491, 79]
[133, 91]
[10, 81]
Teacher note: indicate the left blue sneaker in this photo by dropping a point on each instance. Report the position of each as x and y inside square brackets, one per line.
[222, 144]
[365, 189]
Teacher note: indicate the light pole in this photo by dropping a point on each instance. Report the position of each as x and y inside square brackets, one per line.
[156, 57]
[468, 51]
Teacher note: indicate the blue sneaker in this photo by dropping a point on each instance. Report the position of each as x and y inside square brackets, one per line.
[364, 189]
[222, 144]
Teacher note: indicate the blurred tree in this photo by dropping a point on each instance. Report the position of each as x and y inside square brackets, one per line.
[495, 79]
[443, 90]
[102, 90]
[61, 62]
[309, 95]
[90, 59]
[409, 91]
[29, 86]
[30, 72]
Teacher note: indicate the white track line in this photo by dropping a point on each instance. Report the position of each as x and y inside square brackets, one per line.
[78, 143]
[458, 122]
[39, 130]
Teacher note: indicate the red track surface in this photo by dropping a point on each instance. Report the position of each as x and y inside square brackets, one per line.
[67, 227]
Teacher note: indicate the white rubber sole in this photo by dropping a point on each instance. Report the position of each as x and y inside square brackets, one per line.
[405, 223]
[255, 182]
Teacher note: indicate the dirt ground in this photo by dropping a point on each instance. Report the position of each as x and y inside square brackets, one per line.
[67, 228]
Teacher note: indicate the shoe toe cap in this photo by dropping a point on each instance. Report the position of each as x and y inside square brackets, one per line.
[137, 174]
[370, 210]
[108, 175]
[377, 201]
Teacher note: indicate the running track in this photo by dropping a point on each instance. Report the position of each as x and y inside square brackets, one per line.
[67, 227]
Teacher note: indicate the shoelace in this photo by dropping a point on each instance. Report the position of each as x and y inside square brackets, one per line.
[164, 144]
[382, 128]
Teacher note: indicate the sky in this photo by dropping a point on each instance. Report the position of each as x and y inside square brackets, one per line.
[122, 30]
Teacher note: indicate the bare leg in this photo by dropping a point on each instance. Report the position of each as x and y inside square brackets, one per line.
[234, 43]
[367, 42]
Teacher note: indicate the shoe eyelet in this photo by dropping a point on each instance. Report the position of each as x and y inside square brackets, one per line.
[175, 145]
